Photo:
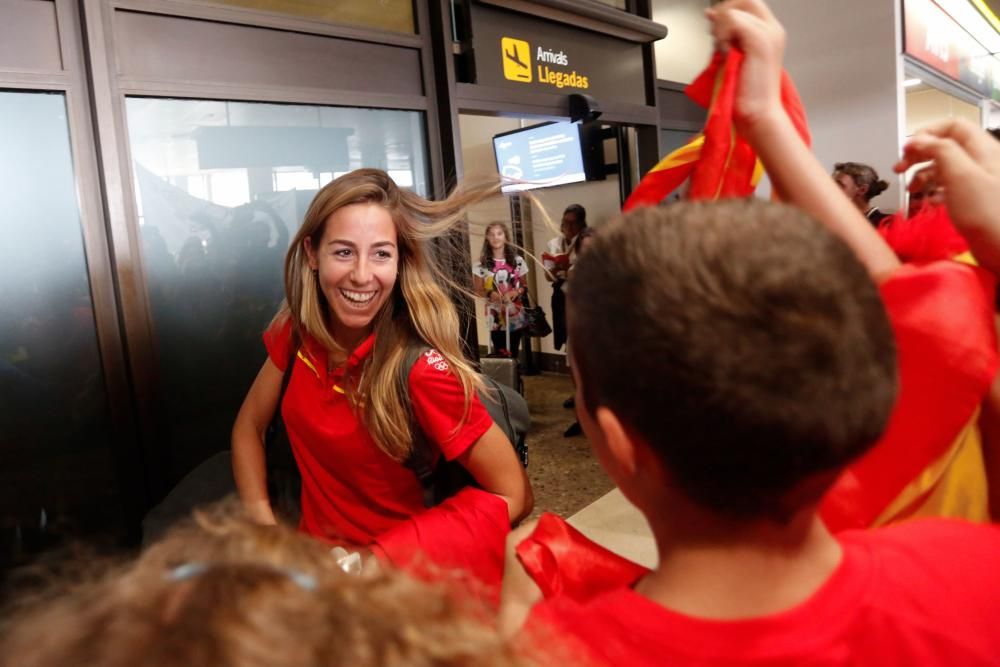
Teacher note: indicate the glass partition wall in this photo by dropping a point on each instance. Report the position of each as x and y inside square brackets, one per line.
[149, 200]
[221, 188]
[57, 476]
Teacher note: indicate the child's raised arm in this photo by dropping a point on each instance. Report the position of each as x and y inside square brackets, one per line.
[748, 25]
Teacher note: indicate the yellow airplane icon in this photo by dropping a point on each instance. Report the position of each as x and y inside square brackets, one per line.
[516, 59]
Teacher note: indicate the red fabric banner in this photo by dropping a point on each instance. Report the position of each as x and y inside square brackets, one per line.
[563, 562]
[719, 162]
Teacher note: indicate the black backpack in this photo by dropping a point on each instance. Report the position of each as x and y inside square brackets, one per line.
[212, 480]
[441, 479]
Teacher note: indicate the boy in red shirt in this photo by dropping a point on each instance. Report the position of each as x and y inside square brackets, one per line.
[760, 363]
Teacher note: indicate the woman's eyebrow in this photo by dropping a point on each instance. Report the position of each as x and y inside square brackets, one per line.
[354, 246]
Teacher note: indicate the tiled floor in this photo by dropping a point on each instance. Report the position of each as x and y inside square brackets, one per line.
[615, 523]
[568, 480]
[564, 474]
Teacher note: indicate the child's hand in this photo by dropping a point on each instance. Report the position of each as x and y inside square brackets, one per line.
[966, 162]
[750, 27]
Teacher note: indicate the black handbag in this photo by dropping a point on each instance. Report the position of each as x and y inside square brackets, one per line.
[212, 480]
[538, 326]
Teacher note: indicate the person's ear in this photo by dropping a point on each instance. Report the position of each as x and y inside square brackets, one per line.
[863, 190]
[619, 444]
[310, 253]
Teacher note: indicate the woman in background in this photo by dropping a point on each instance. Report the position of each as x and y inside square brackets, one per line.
[861, 184]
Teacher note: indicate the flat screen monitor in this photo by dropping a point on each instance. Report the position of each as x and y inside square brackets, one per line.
[539, 156]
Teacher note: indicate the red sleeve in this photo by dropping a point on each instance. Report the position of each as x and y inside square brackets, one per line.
[277, 340]
[942, 319]
[467, 532]
[439, 406]
[565, 563]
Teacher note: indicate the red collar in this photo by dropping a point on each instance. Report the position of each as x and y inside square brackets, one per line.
[362, 351]
[319, 356]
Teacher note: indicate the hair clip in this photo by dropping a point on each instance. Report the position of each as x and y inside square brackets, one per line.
[187, 571]
[348, 561]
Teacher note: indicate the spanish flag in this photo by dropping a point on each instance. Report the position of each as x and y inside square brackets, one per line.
[929, 460]
[718, 161]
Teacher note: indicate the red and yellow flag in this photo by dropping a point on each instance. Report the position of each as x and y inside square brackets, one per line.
[718, 161]
[929, 460]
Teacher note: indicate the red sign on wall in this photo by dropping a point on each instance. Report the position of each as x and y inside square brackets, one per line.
[932, 37]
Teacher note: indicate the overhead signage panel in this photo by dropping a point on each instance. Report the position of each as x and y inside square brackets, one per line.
[933, 38]
[512, 50]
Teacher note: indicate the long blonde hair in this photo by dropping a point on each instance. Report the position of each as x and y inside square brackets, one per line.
[419, 310]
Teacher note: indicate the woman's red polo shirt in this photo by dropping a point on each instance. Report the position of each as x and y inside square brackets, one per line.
[351, 490]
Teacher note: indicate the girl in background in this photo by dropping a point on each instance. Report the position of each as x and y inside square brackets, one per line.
[499, 276]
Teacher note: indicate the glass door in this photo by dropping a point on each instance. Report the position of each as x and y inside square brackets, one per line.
[57, 468]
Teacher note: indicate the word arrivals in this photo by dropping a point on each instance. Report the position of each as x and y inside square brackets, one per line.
[549, 56]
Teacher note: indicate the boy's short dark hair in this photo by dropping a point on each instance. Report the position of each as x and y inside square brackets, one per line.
[756, 353]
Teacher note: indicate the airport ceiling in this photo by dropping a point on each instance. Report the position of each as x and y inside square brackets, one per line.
[993, 5]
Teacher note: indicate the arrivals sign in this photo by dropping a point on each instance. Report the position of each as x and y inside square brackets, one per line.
[935, 39]
[516, 51]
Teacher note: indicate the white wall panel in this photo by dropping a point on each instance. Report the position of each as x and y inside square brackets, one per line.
[844, 59]
[686, 49]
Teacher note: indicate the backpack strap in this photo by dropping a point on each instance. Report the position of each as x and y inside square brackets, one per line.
[421, 457]
[284, 480]
[286, 377]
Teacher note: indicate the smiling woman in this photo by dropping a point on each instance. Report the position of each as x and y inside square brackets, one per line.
[362, 291]
[356, 264]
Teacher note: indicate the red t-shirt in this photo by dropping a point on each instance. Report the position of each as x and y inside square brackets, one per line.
[919, 593]
[352, 491]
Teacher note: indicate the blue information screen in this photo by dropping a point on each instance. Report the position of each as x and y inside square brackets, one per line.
[540, 157]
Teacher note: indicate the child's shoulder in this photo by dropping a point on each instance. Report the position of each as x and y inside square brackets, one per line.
[928, 558]
[932, 536]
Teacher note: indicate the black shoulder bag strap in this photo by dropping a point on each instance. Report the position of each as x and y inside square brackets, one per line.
[421, 457]
[277, 423]
[439, 479]
[284, 481]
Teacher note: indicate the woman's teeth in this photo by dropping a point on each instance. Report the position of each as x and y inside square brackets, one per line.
[358, 298]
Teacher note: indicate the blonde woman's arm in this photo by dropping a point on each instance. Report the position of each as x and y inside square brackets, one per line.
[493, 464]
[248, 443]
